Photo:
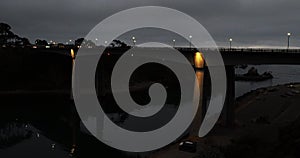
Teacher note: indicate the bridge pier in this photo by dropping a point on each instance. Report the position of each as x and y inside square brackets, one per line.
[228, 114]
[206, 91]
[229, 105]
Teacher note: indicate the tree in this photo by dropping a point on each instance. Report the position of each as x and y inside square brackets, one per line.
[39, 42]
[25, 41]
[8, 38]
[79, 41]
[5, 33]
[118, 43]
[4, 28]
[84, 43]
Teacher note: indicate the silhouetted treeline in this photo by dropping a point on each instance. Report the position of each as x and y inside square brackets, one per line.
[9, 39]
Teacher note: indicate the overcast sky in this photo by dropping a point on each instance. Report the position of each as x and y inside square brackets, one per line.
[248, 22]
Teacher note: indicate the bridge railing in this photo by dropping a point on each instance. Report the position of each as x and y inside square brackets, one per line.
[240, 50]
[259, 50]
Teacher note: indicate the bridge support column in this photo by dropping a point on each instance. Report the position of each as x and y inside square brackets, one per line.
[229, 106]
[228, 114]
[206, 91]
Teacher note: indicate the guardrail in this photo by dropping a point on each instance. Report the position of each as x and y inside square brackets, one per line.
[240, 50]
[259, 50]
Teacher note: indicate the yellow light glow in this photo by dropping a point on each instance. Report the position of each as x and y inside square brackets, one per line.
[199, 61]
[72, 54]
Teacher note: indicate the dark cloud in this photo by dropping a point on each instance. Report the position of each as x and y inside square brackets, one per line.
[248, 22]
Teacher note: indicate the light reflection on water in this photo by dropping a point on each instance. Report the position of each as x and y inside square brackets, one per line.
[131, 122]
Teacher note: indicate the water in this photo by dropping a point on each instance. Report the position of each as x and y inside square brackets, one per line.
[143, 124]
[50, 123]
[282, 74]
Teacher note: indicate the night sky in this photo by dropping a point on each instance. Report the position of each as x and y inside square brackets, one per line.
[251, 23]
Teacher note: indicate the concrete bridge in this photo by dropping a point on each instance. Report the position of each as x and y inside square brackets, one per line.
[51, 68]
[231, 58]
[253, 56]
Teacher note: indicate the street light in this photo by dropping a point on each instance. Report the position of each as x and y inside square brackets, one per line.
[230, 42]
[133, 40]
[289, 35]
[190, 41]
[174, 42]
